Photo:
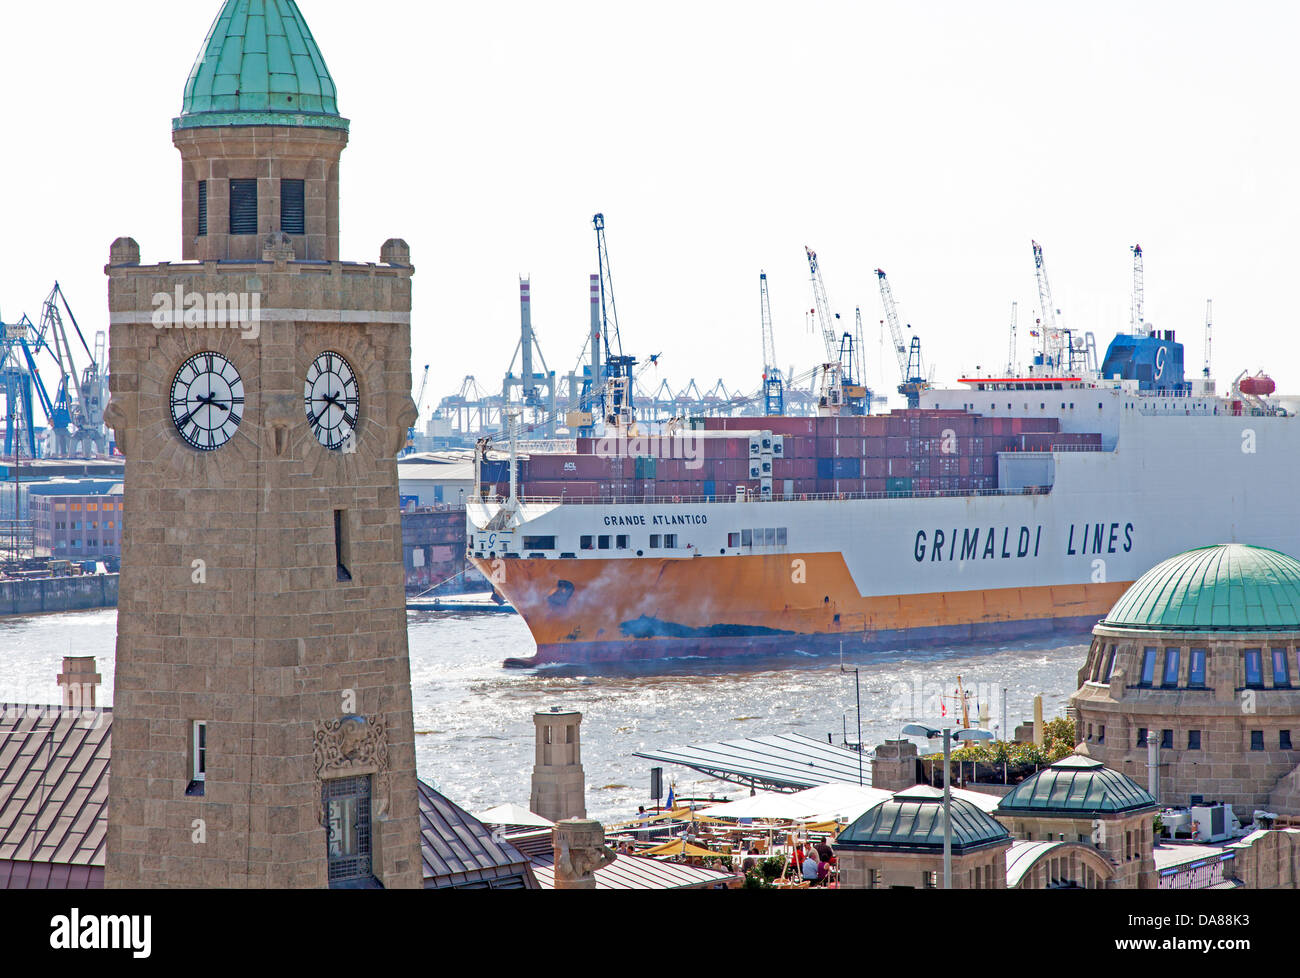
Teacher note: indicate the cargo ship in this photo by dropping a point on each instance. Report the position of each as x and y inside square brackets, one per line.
[1005, 507]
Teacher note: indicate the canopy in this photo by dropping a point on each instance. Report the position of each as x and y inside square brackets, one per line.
[678, 847]
[512, 814]
[765, 804]
[784, 761]
[824, 803]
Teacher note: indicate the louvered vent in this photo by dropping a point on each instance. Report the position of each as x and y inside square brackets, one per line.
[243, 206]
[203, 208]
[293, 211]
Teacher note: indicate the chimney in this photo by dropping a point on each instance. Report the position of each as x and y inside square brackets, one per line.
[79, 680]
[893, 767]
[559, 784]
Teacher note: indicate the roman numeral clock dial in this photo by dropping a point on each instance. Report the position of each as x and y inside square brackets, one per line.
[207, 401]
[332, 400]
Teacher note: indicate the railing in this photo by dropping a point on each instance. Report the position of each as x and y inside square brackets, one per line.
[1054, 449]
[774, 498]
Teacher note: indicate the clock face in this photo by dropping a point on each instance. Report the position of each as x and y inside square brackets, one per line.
[207, 401]
[332, 400]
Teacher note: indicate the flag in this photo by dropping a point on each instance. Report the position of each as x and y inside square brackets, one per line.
[1034, 332]
[671, 788]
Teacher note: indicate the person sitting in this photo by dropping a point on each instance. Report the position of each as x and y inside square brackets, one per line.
[811, 868]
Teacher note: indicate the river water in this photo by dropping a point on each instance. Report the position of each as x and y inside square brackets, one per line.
[473, 719]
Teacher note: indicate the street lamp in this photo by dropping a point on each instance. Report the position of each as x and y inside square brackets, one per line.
[857, 695]
[916, 730]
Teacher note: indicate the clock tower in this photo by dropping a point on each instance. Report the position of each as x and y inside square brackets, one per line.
[262, 731]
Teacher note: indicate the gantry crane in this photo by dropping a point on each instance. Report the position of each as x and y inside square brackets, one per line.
[908, 353]
[773, 388]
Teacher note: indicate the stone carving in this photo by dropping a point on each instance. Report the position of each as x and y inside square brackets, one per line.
[278, 247]
[280, 413]
[353, 745]
[580, 850]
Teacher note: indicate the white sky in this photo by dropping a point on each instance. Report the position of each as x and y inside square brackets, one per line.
[932, 139]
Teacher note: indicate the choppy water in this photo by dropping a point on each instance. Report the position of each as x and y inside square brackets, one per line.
[473, 719]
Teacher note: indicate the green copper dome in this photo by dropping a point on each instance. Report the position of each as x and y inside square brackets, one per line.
[260, 66]
[1076, 787]
[1231, 587]
[912, 821]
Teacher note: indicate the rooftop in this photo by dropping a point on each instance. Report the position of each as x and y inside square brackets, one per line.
[1229, 587]
[1077, 787]
[53, 796]
[260, 66]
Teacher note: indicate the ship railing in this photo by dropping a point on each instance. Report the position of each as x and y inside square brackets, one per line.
[1054, 449]
[775, 497]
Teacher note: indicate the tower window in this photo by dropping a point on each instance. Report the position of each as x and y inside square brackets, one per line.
[1193, 740]
[243, 206]
[293, 207]
[347, 831]
[203, 208]
[1196, 668]
[342, 544]
[1257, 740]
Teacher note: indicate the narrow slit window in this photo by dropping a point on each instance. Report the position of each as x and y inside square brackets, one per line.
[198, 757]
[243, 206]
[342, 545]
[203, 208]
[293, 206]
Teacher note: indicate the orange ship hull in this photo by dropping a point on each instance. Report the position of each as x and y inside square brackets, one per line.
[594, 610]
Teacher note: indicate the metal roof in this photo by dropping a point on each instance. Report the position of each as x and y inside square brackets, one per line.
[1079, 787]
[460, 852]
[1230, 587]
[783, 762]
[53, 791]
[1023, 855]
[912, 821]
[639, 873]
[260, 65]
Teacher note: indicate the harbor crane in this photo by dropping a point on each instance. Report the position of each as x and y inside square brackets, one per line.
[1062, 352]
[1209, 308]
[773, 388]
[1138, 325]
[1011, 352]
[419, 409]
[908, 353]
[841, 390]
[616, 393]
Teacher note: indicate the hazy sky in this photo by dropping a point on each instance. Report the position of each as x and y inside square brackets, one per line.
[932, 139]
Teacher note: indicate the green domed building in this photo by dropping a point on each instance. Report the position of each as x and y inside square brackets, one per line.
[1201, 656]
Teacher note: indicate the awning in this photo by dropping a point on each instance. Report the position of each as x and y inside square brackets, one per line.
[824, 803]
[512, 814]
[678, 847]
[783, 762]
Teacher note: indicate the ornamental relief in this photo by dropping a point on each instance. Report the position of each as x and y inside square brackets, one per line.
[353, 745]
